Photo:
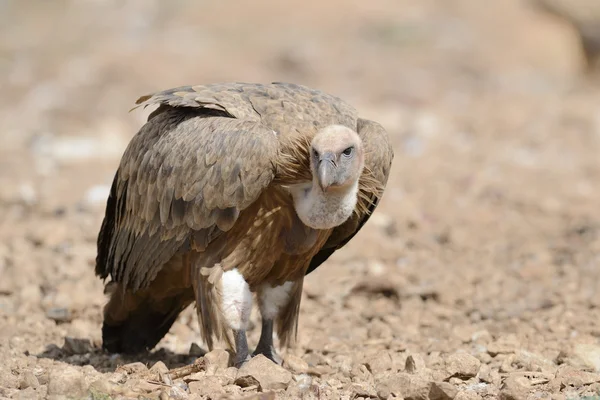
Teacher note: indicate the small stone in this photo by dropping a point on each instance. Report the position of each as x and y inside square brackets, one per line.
[295, 364]
[467, 395]
[507, 364]
[313, 359]
[504, 345]
[364, 389]
[403, 385]
[303, 381]
[380, 330]
[442, 391]
[159, 368]
[59, 314]
[462, 365]
[269, 375]
[218, 358]
[132, 368]
[530, 361]
[588, 355]
[515, 387]
[261, 396]
[103, 386]
[360, 373]
[67, 381]
[379, 363]
[414, 364]
[488, 375]
[196, 376]
[230, 373]
[569, 376]
[195, 350]
[247, 381]
[177, 393]
[207, 386]
[464, 332]
[482, 337]
[435, 360]
[28, 394]
[455, 381]
[143, 385]
[28, 380]
[77, 346]
[117, 377]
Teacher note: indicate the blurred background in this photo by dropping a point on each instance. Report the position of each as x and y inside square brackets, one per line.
[488, 233]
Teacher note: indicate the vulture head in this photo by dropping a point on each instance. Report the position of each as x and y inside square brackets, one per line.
[336, 162]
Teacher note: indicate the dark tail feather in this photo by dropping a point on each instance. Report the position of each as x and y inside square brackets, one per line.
[134, 323]
[287, 322]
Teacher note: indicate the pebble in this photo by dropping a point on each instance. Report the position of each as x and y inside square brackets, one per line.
[504, 345]
[207, 386]
[467, 395]
[462, 365]
[442, 391]
[569, 376]
[295, 364]
[379, 362]
[488, 375]
[218, 358]
[515, 387]
[269, 375]
[132, 368]
[587, 355]
[78, 346]
[59, 314]
[159, 368]
[66, 380]
[403, 385]
[28, 379]
[414, 364]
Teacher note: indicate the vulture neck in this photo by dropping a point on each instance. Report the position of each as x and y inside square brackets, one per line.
[324, 210]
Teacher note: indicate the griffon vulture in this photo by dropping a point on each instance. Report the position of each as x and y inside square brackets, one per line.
[231, 190]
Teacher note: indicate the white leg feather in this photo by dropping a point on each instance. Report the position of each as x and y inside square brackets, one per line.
[273, 299]
[236, 300]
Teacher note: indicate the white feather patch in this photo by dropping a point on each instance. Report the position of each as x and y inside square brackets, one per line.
[236, 300]
[273, 299]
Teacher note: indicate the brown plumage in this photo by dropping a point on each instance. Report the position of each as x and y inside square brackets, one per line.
[229, 190]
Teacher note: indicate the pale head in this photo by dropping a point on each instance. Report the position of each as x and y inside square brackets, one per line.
[336, 158]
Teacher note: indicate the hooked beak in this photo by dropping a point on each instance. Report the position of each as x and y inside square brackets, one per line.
[326, 171]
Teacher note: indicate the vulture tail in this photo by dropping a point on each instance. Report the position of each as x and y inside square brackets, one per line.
[136, 321]
[287, 322]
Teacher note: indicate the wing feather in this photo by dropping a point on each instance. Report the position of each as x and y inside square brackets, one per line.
[162, 196]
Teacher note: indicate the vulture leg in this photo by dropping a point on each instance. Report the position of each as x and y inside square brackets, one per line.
[265, 343]
[271, 302]
[236, 306]
[241, 348]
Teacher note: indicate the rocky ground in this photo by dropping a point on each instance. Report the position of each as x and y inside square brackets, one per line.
[478, 275]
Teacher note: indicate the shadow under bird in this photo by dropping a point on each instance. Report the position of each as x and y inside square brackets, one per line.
[229, 191]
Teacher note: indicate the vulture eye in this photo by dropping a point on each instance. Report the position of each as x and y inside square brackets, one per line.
[315, 153]
[348, 151]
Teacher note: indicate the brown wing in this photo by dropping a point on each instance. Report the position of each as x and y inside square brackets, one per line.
[182, 181]
[285, 107]
[378, 161]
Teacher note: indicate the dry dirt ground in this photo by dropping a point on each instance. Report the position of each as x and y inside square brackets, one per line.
[478, 275]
